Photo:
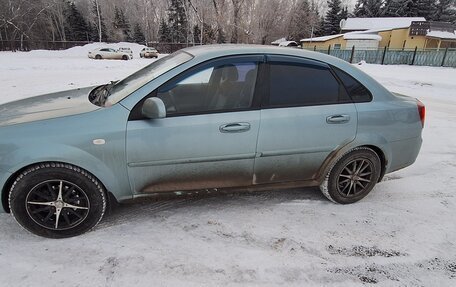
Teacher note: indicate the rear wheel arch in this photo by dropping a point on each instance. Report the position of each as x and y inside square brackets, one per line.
[352, 175]
[335, 156]
[382, 157]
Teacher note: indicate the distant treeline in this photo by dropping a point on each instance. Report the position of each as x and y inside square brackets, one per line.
[196, 21]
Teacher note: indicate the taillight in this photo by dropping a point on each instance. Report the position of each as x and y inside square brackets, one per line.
[421, 111]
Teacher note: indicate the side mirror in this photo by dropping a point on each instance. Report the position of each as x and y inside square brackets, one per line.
[153, 108]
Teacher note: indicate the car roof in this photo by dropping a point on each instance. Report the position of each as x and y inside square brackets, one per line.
[219, 50]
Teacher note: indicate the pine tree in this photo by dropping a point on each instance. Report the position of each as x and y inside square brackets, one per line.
[410, 8]
[446, 11]
[388, 8]
[320, 31]
[426, 9]
[208, 34]
[368, 8]
[178, 23]
[401, 8]
[343, 13]
[121, 25]
[138, 35]
[300, 24]
[76, 28]
[163, 32]
[331, 25]
[196, 34]
[97, 20]
[318, 21]
[221, 38]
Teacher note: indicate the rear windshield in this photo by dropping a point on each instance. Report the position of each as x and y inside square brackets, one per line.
[135, 81]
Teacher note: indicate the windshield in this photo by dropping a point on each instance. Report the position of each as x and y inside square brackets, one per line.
[135, 81]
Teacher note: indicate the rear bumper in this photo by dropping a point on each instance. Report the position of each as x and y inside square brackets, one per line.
[404, 153]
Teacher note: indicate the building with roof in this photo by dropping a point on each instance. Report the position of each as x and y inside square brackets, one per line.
[394, 33]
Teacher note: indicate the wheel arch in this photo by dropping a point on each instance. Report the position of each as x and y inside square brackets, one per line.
[380, 148]
[382, 157]
[111, 199]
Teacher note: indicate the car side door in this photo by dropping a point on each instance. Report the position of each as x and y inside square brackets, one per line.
[209, 135]
[307, 115]
[104, 53]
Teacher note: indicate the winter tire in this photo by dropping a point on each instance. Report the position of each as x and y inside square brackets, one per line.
[353, 176]
[98, 57]
[57, 200]
[124, 57]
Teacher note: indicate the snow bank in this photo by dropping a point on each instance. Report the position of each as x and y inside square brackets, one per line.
[25, 74]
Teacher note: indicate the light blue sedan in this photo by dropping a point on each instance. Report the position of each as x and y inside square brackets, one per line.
[211, 117]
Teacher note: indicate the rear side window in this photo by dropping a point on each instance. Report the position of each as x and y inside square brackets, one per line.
[300, 84]
[355, 89]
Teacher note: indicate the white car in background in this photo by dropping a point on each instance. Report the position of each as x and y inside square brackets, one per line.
[148, 52]
[126, 50]
[109, 53]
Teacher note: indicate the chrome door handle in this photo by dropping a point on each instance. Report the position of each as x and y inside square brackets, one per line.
[235, 128]
[338, 119]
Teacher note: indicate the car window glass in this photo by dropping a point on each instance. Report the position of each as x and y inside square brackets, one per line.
[217, 88]
[355, 89]
[299, 84]
[135, 81]
[201, 77]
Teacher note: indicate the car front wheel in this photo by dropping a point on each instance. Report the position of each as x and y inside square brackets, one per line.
[57, 200]
[353, 176]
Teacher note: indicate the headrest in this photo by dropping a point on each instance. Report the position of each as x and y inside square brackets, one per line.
[229, 73]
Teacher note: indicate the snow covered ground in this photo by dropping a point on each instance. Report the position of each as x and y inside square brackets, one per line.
[402, 234]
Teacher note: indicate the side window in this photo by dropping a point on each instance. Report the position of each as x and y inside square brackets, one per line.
[104, 50]
[355, 89]
[223, 87]
[299, 84]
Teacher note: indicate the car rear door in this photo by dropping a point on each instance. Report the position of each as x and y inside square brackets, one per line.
[208, 138]
[307, 115]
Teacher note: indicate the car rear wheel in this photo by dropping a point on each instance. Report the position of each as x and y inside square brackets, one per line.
[125, 57]
[353, 176]
[57, 200]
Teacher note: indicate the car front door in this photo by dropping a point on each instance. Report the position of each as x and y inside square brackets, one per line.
[307, 115]
[208, 138]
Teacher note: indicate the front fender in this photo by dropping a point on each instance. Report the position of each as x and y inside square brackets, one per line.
[115, 182]
[4, 176]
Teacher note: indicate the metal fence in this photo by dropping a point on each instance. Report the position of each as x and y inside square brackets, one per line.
[420, 57]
